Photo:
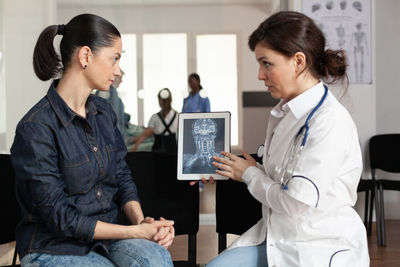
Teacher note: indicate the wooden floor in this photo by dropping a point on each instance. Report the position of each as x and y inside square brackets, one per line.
[207, 246]
[389, 255]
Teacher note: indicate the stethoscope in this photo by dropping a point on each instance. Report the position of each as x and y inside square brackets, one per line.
[294, 152]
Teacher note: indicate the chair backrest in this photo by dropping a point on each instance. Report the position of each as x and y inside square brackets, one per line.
[384, 152]
[10, 209]
[236, 209]
[162, 194]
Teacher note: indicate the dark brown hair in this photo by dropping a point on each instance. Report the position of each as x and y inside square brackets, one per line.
[83, 30]
[289, 32]
[196, 77]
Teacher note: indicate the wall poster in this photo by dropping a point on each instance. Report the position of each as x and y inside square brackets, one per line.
[346, 25]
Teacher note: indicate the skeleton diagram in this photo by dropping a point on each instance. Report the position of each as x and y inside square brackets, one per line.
[360, 47]
[341, 35]
[204, 132]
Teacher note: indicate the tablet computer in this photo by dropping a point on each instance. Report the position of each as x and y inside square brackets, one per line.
[200, 137]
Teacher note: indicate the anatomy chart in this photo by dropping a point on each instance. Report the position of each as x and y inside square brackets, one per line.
[346, 25]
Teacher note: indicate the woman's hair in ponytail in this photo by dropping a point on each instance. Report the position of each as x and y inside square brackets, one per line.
[333, 66]
[83, 30]
[289, 32]
[46, 61]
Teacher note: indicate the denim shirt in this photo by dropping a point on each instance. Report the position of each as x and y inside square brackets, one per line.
[70, 173]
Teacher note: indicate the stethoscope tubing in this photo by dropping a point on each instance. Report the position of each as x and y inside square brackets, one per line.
[306, 125]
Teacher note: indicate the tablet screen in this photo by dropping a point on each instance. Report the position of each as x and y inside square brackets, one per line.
[200, 137]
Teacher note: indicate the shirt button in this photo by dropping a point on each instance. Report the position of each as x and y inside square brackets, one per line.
[99, 193]
[271, 245]
[95, 149]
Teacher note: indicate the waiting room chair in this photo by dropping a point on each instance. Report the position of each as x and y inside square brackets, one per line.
[236, 209]
[10, 209]
[384, 154]
[367, 186]
[162, 195]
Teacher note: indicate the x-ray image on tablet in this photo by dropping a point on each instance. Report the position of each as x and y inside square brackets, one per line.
[201, 137]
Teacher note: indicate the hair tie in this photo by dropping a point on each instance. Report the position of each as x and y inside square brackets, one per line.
[164, 93]
[61, 29]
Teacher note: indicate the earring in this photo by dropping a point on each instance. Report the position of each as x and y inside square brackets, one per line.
[84, 67]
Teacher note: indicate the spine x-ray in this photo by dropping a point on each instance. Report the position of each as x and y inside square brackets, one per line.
[203, 139]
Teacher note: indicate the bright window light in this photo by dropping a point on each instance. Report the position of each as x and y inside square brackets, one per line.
[217, 67]
[127, 90]
[164, 65]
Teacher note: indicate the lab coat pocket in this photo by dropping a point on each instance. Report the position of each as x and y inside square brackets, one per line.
[78, 174]
[314, 255]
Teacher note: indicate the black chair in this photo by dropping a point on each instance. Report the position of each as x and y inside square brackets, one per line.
[367, 186]
[235, 208]
[384, 154]
[10, 208]
[162, 195]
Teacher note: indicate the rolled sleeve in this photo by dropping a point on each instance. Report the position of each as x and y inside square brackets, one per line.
[85, 228]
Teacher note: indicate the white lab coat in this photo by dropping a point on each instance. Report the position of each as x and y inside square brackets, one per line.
[312, 223]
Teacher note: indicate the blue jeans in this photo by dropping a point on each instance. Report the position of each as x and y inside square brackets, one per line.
[253, 256]
[130, 252]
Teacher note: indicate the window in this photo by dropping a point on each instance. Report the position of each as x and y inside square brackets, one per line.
[217, 67]
[164, 65]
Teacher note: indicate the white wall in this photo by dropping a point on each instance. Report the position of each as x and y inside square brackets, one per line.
[2, 88]
[22, 23]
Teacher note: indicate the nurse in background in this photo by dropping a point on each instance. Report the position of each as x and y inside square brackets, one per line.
[308, 216]
[196, 101]
[162, 125]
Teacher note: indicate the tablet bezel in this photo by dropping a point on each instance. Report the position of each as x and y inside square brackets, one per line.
[226, 115]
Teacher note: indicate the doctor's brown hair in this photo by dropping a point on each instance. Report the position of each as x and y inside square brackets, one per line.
[289, 32]
[82, 30]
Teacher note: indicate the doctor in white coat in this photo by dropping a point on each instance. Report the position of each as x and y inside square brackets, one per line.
[312, 161]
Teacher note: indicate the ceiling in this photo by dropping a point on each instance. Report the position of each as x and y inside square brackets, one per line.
[161, 2]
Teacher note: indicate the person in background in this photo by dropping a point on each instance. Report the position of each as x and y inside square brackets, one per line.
[115, 101]
[162, 125]
[196, 101]
[68, 155]
[312, 161]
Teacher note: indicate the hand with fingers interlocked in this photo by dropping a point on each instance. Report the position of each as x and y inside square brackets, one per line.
[233, 166]
[165, 235]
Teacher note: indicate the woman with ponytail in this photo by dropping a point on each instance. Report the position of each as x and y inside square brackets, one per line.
[68, 154]
[312, 161]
